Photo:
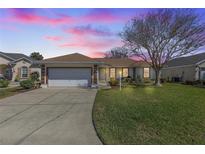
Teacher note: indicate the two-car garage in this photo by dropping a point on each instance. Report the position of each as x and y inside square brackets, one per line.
[69, 77]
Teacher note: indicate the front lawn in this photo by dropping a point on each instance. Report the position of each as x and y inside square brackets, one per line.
[171, 114]
[10, 91]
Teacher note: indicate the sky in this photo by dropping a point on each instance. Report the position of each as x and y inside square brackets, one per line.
[55, 32]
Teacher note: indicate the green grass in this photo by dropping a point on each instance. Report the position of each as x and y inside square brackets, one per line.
[10, 92]
[171, 114]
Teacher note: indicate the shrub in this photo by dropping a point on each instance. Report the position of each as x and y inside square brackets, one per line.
[34, 76]
[138, 79]
[163, 80]
[187, 82]
[147, 80]
[4, 83]
[17, 78]
[113, 82]
[27, 84]
[127, 80]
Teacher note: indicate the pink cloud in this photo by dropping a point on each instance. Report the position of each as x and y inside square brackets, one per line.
[91, 44]
[88, 30]
[26, 17]
[31, 16]
[96, 54]
[53, 38]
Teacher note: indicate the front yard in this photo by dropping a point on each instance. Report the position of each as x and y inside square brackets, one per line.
[6, 92]
[172, 114]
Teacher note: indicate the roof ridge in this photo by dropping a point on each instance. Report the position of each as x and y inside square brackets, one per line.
[76, 53]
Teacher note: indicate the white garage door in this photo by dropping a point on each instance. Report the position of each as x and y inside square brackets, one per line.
[69, 77]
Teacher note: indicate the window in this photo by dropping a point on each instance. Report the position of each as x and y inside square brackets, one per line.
[24, 72]
[112, 73]
[146, 72]
[125, 72]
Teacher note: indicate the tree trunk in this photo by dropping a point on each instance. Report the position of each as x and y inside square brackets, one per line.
[157, 78]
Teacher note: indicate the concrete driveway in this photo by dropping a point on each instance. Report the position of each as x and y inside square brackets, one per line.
[48, 116]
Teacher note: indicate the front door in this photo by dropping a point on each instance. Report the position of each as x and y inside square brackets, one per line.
[102, 73]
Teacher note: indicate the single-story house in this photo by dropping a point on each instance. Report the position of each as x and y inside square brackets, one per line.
[19, 66]
[190, 68]
[80, 70]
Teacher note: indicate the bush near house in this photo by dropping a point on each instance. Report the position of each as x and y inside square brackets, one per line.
[113, 82]
[27, 84]
[34, 76]
[127, 80]
[17, 78]
[4, 83]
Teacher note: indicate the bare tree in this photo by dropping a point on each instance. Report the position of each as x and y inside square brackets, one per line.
[164, 34]
[118, 52]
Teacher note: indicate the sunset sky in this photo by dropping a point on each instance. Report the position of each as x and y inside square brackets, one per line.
[55, 32]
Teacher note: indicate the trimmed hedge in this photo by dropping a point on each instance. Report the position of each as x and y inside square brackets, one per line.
[4, 83]
[27, 84]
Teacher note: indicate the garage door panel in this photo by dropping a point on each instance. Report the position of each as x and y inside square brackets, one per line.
[70, 83]
[69, 76]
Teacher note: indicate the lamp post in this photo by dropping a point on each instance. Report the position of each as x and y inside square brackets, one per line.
[120, 81]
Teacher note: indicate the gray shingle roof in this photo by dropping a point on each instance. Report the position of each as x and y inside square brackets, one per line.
[16, 56]
[189, 60]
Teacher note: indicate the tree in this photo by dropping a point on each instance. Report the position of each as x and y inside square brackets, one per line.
[164, 34]
[118, 52]
[36, 56]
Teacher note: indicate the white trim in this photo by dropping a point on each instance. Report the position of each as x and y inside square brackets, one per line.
[22, 71]
[200, 62]
[23, 58]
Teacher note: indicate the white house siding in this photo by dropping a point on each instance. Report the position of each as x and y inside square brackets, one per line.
[3, 61]
[189, 72]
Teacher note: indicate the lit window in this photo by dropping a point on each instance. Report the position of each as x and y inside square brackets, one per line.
[125, 72]
[112, 72]
[24, 72]
[146, 72]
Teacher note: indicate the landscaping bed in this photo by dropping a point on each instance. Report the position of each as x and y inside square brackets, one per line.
[171, 114]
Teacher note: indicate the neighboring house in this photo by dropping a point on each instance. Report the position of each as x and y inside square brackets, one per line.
[19, 65]
[79, 70]
[190, 68]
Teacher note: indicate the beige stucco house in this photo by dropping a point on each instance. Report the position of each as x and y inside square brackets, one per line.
[190, 68]
[80, 70]
[19, 66]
